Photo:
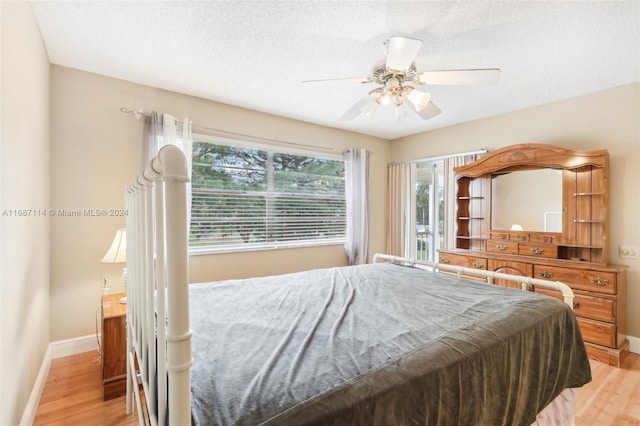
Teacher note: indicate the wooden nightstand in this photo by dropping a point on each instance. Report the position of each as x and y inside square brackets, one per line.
[114, 345]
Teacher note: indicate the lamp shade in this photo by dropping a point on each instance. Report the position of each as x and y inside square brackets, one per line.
[117, 253]
[419, 99]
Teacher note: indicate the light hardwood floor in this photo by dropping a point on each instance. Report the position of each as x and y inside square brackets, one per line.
[612, 397]
[73, 395]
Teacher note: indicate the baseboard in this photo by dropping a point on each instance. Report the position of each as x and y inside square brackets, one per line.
[29, 413]
[55, 350]
[74, 346]
[634, 344]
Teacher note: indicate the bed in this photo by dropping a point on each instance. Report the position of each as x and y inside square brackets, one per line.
[394, 342]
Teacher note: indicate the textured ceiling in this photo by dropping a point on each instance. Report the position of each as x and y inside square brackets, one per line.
[256, 54]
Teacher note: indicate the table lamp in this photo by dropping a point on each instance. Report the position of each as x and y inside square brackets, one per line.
[117, 253]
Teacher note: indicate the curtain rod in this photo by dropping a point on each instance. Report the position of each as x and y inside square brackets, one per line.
[138, 113]
[443, 157]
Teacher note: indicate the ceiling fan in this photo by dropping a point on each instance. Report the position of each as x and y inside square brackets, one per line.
[396, 80]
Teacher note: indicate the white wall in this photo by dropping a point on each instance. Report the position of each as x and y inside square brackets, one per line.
[94, 156]
[608, 119]
[24, 277]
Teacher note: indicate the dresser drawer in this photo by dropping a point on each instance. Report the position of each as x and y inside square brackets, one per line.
[587, 306]
[600, 333]
[506, 247]
[538, 250]
[461, 260]
[510, 268]
[464, 261]
[579, 279]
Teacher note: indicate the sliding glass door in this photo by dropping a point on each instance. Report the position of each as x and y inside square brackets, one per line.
[430, 213]
[421, 201]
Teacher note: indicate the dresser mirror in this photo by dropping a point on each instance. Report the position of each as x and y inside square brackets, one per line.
[527, 200]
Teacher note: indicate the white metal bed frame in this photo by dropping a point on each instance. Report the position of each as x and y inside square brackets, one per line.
[157, 259]
[157, 265]
[524, 282]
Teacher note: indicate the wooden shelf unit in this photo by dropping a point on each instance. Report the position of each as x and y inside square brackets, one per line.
[585, 212]
[473, 204]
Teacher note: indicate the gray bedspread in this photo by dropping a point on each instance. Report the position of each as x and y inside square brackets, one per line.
[378, 345]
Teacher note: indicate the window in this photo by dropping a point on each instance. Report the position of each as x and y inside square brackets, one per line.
[251, 198]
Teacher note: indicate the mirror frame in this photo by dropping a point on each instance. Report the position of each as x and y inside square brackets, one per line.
[532, 156]
[583, 234]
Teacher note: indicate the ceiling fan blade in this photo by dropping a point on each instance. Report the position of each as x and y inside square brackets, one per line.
[402, 52]
[357, 108]
[460, 77]
[428, 112]
[355, 79]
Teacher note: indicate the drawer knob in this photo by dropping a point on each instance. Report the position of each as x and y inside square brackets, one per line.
[576, 305]
[501, 247]
[477, 265]
[599, 281]
[445, 260]
[545, 274]
[536, 250]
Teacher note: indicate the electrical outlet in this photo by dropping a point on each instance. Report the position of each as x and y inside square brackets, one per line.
[628, 252]
[105, 283]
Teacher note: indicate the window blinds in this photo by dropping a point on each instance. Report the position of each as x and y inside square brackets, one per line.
[249, 198]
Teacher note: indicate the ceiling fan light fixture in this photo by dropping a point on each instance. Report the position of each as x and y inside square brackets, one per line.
[401, 111]
[418, 99]
[395, 77]
[385, 98]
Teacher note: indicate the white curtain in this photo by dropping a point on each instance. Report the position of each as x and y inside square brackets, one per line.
[163, 129]
[401, 221]
[151, 139]
[357, 197]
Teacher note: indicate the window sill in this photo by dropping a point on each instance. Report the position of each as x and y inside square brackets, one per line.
[198, 251]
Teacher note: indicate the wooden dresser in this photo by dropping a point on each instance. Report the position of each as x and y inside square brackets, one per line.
[114, 345]
[575, 252]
